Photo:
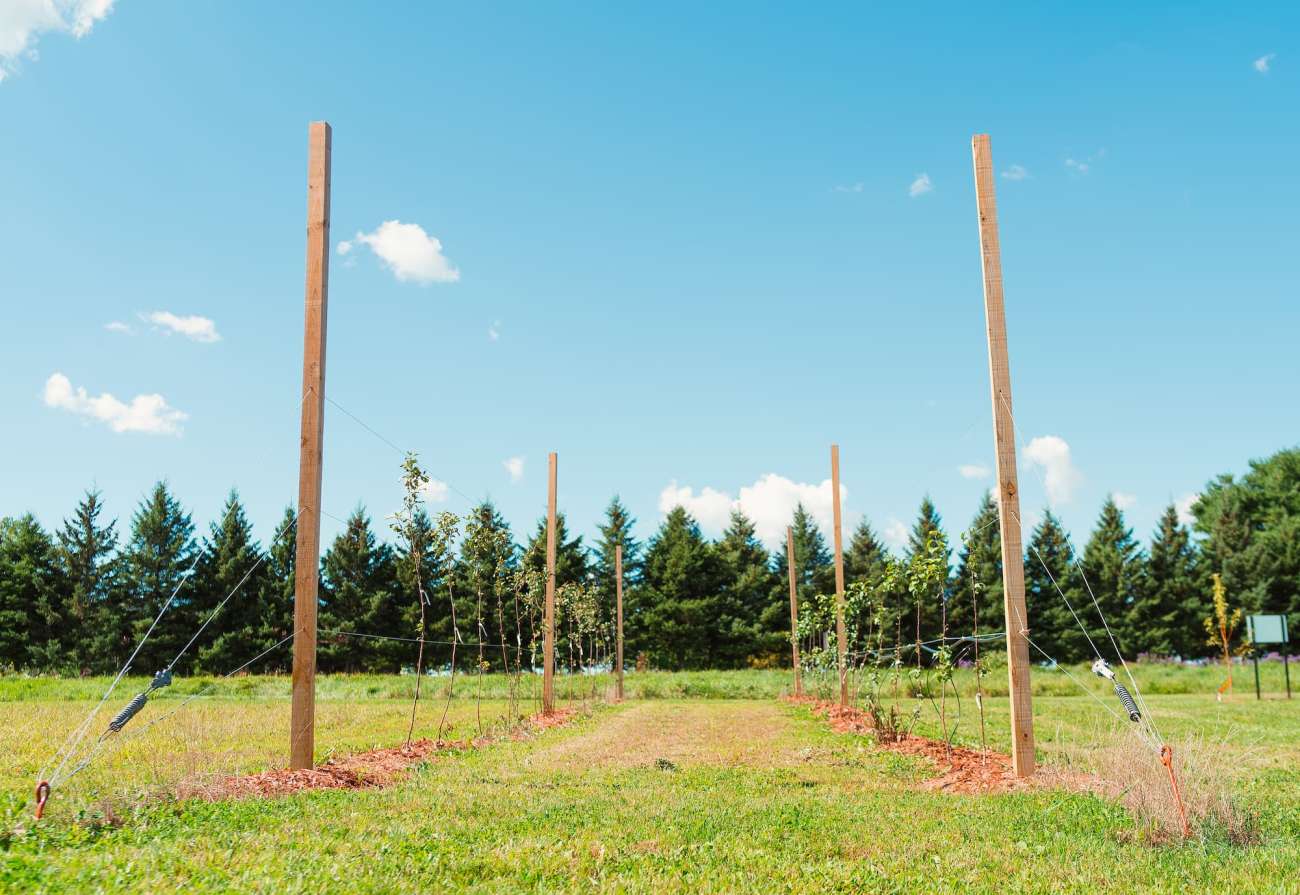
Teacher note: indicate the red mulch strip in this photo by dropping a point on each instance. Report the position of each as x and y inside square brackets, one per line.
[359, 770]
[960, 770]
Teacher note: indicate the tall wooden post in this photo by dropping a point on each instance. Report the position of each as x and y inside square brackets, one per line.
[618, 624]
[840, 635]
[794, 610]
[548, 622]
[1013, 568]
[302, 721]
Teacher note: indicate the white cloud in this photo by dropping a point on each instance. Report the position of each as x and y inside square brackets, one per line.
[435, 491]
[920, 186]
[711, 508]
[117, 326]
[514, 466]
[494, 331]
[407, 251]
[769, 503]
[23, 21]
[1184, 507]
[1060, 475]
[1124, 500]
[1016, 172]
[974, 471]
[1076, 165]
[193, 327]
[850, 187]
[896, 534]
[146, 413]
[1264, 63]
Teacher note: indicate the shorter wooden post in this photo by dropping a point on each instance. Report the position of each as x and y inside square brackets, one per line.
[548, 621]
[794, 610]
[840, 635]
[618, 626]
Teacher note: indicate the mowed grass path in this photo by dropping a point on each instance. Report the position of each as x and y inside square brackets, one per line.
[680, 796]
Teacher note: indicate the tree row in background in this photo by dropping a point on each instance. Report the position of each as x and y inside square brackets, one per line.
[78, 599]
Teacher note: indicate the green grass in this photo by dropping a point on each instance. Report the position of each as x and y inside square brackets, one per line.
[653, 795]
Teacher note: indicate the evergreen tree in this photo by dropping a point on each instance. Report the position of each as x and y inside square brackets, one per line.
[485, 595]
[570, 555]
[932, 605]
[865, 558]
[228, 566]
[96, 636]
[979, 562]
[430, 576]
[33, 616]
[1165, 618]
[1112, 566]
[1049, 580]
[750, 622]
[671, 618]
[814, 565]
[358, 581]
[615, 531]
[156, 561]
[275, 598]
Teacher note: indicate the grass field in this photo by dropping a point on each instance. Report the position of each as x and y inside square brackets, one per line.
[714, 786]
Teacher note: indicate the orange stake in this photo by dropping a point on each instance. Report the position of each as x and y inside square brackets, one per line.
[1167, 759]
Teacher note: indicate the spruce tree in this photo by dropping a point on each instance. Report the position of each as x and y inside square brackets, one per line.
[33, 615]
[483, 581]
[276, 590]
[156, 561]
[1172, 600]
[1049, 580]
[229, 566]
[616, 530]
[979, 562]
[358, 581]
[932, 605]
[814, 564]
[750, 622]
[671, 618]
[1112, 564]
[97, 634]
[865, 558]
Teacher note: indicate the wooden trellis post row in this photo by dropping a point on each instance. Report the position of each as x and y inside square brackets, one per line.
[302, 720]
[794, 610]
[548, 621]
[1013, 564]
[840, 636]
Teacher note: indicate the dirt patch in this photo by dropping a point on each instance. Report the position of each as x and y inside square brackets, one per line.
[960, 770]
[359, 770]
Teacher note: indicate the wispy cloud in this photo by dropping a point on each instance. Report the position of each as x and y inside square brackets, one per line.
[117, 326]
[515, 467]
[1052, 453]
[974, 471]
[920, 186]
[193, 327]
[1264, 64]
[150, 414]
[1016, 172]
[849, 187]
[23, 21]
[1082, 166]
[494, 331]
[1124, 500]
[1184, 506]
[407, 251]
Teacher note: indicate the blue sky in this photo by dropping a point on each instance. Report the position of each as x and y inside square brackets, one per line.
[685, 247]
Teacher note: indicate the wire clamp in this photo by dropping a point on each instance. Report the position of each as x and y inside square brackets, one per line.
[42, 796]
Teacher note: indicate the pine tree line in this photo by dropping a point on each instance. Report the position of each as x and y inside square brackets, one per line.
[77, 600]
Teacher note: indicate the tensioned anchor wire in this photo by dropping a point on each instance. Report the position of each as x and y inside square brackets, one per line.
[261, 558]
[1137, 690]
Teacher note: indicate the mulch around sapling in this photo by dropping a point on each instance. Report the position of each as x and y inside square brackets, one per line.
[959, 770]
[371, 769]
